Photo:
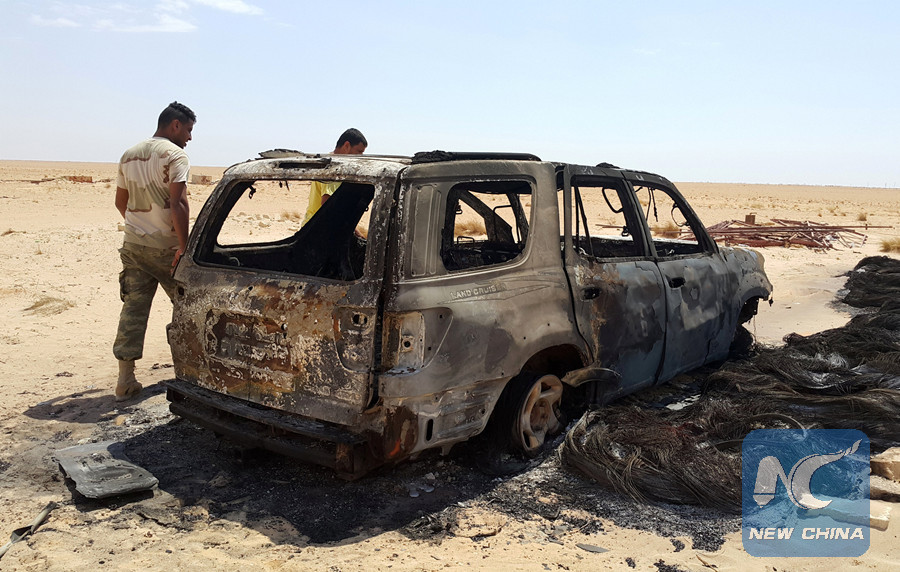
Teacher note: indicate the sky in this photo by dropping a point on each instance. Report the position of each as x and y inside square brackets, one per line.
[782, 92]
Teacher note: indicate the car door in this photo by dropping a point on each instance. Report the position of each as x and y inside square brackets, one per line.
[695, 277]
[617, 288]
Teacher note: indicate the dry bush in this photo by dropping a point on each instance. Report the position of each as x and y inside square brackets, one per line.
[49, 306]
[890, 245]
[667, 230]
[862, 217]
[470, 228]
[291, 216]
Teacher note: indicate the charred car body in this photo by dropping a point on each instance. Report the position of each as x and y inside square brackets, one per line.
[433, 294]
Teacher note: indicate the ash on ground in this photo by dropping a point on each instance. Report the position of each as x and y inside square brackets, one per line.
[427, 499]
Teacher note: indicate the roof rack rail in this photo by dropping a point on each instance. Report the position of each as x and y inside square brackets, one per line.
[439, 156]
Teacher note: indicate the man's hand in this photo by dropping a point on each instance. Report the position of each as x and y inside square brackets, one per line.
[178, 204]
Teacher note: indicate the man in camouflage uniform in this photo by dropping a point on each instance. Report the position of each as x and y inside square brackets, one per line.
[151, 195]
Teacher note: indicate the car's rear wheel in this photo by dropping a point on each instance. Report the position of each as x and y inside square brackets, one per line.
[532, 411]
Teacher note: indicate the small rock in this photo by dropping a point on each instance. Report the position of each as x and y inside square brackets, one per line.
[119, 420]
[887, 464]
[879, 514]
[884, 489]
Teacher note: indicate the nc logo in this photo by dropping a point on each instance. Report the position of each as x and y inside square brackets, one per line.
[797, 482]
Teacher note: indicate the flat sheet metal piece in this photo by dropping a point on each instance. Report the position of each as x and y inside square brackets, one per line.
[102, 470]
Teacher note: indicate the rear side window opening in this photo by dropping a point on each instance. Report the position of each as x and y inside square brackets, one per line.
[260, 227]
[486, 223]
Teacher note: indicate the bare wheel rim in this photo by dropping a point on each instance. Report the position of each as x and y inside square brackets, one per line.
[539, 415]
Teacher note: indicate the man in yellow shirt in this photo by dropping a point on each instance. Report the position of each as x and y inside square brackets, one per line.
[351, 142]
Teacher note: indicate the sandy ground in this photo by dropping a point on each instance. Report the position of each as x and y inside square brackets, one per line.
[59, 308]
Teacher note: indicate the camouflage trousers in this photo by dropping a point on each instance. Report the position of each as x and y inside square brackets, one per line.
[143, 268]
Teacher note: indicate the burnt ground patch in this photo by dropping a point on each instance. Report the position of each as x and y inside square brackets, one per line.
[253, 487]
[196, 467]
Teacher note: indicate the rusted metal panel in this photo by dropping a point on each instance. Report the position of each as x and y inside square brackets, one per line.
[276, 342]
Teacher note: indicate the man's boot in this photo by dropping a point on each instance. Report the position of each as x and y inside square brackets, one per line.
[127, 386]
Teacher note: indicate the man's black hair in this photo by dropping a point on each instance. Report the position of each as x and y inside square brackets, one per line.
[353, 136]
[174, 111]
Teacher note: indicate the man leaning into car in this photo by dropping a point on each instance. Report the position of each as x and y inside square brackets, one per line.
[351, 142]
[151, 195]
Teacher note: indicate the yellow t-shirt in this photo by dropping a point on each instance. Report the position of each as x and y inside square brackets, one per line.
[316, 191]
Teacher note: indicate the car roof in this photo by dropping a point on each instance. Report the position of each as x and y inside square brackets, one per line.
[280, 161]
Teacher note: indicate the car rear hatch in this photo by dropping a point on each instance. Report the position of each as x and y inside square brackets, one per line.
[283, 318]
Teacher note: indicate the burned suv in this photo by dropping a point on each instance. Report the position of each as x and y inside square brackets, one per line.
[434, 296]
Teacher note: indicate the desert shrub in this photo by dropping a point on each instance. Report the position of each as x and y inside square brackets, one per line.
[667, 230]
[890, 245]
[862, 217]
[470, 228]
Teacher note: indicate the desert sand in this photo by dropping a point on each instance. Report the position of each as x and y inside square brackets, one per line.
[59, 307]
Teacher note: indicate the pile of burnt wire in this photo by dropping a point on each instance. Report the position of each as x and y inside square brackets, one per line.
[844, 378]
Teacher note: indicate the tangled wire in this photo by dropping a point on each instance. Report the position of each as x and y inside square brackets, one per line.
[844, 378]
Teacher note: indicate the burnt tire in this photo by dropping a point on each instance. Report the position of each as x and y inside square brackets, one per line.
[529, 412]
